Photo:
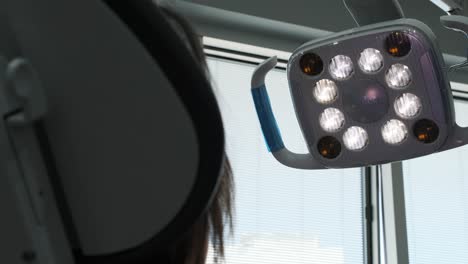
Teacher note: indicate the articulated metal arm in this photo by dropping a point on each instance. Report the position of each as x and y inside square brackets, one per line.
[452, 7]
[366, 12]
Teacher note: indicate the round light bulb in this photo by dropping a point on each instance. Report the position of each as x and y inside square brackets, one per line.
[355, 138]
[398, 44]
[329, 147]
[371, 60]
[408, 106]
[398, 76]
[394, 132]
[426, 131]
[311, 64]
[332, 120]
[341, 67]
[325, 91]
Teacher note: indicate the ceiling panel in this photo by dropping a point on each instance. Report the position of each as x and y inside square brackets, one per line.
[332, 15]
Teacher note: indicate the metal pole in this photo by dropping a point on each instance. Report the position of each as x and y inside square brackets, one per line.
[394, 214]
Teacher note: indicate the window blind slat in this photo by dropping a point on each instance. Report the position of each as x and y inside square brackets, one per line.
[283, 215]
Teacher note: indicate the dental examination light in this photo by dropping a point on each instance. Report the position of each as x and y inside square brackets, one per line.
[370, 95]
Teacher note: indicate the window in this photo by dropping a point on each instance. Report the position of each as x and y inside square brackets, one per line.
[283, 215]
[436, 193]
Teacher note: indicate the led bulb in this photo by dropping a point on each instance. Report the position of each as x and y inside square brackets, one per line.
[408, 106]
[341, 67]
[371, 60]
[311, 64]
[426, 131]
[329, 147]
[398, 44]
[325, 91]
[398, 76]
[394, 132]
[332, 120]
[355, 138]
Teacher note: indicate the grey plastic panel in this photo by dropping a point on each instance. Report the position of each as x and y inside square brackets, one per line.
[30, 225]
[124, 146]
[457, 23]
[15, 239]
[36, 199]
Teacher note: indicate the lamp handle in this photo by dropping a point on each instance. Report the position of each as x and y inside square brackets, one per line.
[269, 125]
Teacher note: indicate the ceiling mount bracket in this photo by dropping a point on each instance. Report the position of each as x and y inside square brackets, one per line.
[458, 24]
[366, 12]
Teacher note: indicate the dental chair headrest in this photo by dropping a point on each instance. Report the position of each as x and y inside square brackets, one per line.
[133, 136]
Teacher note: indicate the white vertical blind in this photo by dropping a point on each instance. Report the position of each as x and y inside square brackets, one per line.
[283, 215]
[436, 190]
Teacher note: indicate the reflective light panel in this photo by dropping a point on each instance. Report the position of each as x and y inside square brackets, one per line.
[375, 88]
[379, 92]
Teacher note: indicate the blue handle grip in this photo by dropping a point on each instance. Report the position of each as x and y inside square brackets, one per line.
[267, 120]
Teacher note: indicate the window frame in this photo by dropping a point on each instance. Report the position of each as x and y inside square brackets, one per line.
[242, 53]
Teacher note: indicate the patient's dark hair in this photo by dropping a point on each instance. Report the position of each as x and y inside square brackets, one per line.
[192, 248]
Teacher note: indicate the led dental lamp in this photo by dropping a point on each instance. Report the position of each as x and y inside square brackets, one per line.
[370, 95]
